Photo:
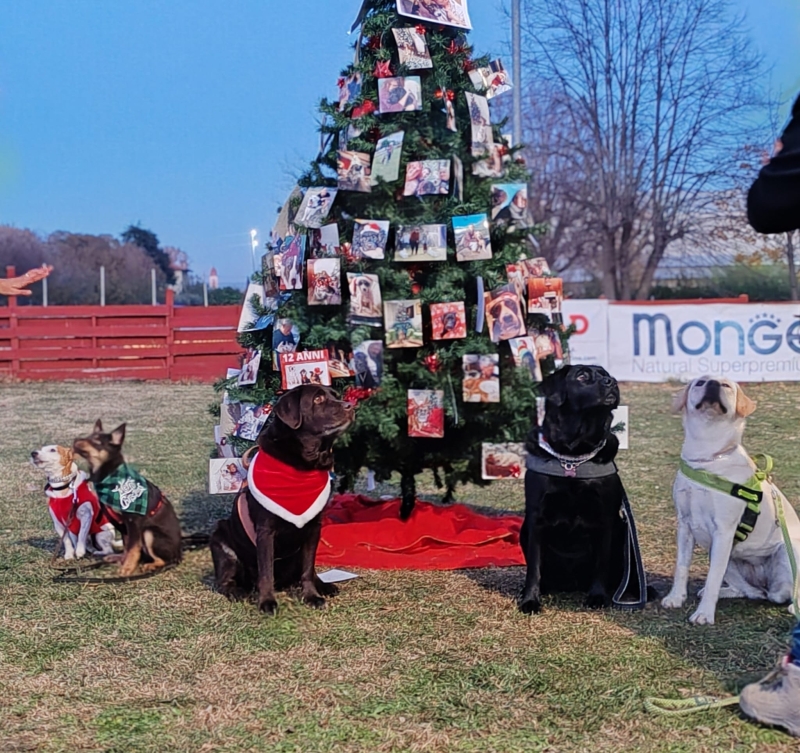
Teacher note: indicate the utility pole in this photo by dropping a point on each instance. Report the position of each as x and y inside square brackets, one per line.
[516, 49]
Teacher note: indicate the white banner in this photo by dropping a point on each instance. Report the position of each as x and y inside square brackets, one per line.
[749, 342]
[589, 344]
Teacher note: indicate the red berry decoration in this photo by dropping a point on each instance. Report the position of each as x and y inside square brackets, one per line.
[383, 69]
[519, 161]
[420, 29]
[416, 288]
[354, 395]
[439, 93]
[432, 362]
[502, 149]
[340, 83]
[451, 95]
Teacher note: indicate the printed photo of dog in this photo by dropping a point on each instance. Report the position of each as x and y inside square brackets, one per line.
[366, 304]
[473, 242]
[78, 519]
[504, 313]
[324, 282]
[448, 321]
[354, 170]
[714, 412]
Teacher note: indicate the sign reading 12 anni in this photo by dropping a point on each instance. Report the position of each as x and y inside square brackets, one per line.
[747, 342]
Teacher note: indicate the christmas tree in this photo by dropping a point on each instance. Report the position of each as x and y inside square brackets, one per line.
[401, 269]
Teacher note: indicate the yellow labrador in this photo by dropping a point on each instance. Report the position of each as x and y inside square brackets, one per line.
[714, 412]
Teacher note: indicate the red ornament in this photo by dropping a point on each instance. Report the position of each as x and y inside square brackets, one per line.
[439, 93]
[432, 362]
[468, 66]
[451, 95]
[374, 42]
[420, 29]
[454, 48]
[416, 288]
[340, 83]
[383, 69]
[354, 395]
[519, 161]
[367, 108]
[502, 149]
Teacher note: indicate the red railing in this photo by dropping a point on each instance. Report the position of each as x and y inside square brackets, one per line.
[118, 342]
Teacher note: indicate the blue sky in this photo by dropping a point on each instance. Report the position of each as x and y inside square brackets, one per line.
[192, 116]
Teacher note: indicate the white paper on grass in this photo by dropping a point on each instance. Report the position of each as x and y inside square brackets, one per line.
[336, 576]
[620, 416]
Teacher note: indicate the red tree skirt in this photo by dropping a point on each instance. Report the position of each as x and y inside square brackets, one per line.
[362, 532]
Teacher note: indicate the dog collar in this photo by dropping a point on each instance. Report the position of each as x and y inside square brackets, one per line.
[553, 467]
[571, 463]
[293, 495]
[749, 492]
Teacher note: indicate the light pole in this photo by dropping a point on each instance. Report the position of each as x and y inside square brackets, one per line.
[253, 247]
[516, 49]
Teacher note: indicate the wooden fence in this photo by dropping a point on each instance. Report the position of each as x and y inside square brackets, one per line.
[118, 342]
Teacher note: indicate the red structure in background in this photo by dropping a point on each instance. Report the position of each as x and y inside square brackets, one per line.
[192, 343]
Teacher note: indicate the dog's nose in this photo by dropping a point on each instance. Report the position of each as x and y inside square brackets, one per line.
[35, 454]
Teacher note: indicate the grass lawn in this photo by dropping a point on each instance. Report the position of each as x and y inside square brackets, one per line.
[399, 661]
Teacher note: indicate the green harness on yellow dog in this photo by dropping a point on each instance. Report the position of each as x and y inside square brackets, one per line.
[749, 492]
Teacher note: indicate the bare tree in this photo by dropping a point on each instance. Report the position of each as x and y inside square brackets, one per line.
[656, 99]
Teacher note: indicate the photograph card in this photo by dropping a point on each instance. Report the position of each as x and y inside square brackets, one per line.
[412, 48]
[225, 475]
[458, 178]
[289, 262]
[510, 205]
[354, 170]
[492, 166]
[427, 178]
[545, 295]
[504, 314]
[493, 78]
[349, 89]
[523, 350]
[315, 207]
[399, 94]
[426, 413]
[447, 12]
[224, 448]
[547, 343]
[481, 382]
[272, 287]
[228, 415]
[368, 363]
[450, 112]
[249, 315]
[369, 239]
[403, 322]
[503, 460]
[285, 339]
[415, 243]
[251, 420]
[366, 306]
[621, 427]
[482, 137]
[324, 242]
[386, 162]
[448, 321]
[249, 373]
[304, 367]
[324, 282]
[473, 242]
[339, 360]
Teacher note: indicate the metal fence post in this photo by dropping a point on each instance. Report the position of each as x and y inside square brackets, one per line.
[205, 294]
[44, 292]
[102, 286]
[153, 286]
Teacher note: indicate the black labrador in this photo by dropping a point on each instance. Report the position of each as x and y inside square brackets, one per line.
[261, 545]
[575, 533]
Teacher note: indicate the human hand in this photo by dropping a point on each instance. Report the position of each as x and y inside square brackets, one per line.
[16, 285]
[765, 158]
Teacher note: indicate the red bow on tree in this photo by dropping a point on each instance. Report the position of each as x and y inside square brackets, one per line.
[367, 108]
[454, 48]
[432, 362]
[354, 395]
[468, 66]
[383, 69]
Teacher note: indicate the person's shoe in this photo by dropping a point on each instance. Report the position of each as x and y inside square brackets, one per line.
[776, 698]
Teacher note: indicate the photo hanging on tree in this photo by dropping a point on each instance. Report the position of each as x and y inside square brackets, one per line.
[473, 242]
[354, 169]
[415, 243]
[366, 306]
[224, 448]
[339, 360]
[510, 205]
[493, 78]
[523, 350]
[482, 136]
[369, 239]
[403, 323]
[503, 460]
[481, 382]
[493, 165]
[324, 241]
[289, 262]
[249, 315]
[427, 178]
[447, 12]
[547, 343]
[448, 321]
[349, 89]
[504, 314]
[304, 367]
[324, 282]
[228, 415]
[315, 207]
[368, 363]
[426, 413]
[225, 475]
[545, 295]
[251, 420]
[458, 179]
[285, 339]
[412, 47]
[249, 373]
[272, 287]
[399, 94]
[386, 162]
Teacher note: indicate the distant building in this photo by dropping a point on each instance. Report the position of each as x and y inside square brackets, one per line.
[213, 279]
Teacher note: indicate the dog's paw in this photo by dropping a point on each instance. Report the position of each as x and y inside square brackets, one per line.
[268, 606]
[317, 602]
[127, 570]
[234, 594]
[69, 555]
[530, 606]
[80, 552]
[327, 589]
[597, 600]
[673, 601]
[701, 617]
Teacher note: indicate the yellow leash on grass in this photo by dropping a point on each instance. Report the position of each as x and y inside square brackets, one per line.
[683, 706]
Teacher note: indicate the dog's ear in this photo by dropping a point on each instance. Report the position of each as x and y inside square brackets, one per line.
[287, 409]
[553, 387]
[98, 427]
[744, 405]
[67, 456]
[679, 401]
[118, 435]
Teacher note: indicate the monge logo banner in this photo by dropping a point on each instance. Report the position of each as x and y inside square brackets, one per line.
[748, 342]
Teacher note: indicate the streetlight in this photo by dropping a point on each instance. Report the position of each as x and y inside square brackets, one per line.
[516, 48]
[254, 246]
